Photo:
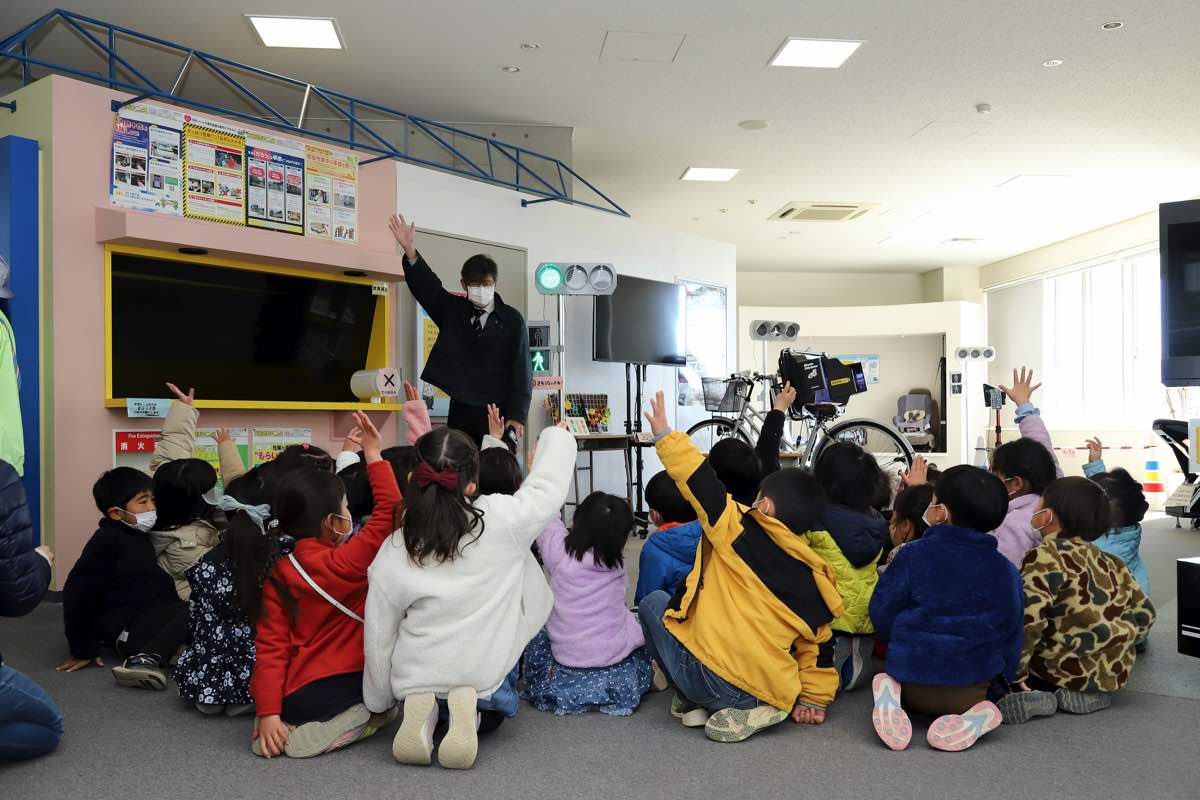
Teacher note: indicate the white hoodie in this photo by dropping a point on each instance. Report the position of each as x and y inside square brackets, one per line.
[466, 622]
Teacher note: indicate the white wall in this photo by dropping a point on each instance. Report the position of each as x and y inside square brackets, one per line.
[826, 289]
[1015, 320]
[958, 322]
[555, 232]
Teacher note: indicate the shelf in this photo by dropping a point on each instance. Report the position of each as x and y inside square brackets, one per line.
[279, 405]
[161, 231]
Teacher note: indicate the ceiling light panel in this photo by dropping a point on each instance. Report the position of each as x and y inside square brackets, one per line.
[814, 53]
[716, 174]
[315, 33]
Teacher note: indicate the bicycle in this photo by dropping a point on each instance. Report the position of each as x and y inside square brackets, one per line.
[733, 395]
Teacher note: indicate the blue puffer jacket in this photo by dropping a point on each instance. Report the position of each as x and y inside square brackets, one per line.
[667, 558]
[951, 609]
[24, 575]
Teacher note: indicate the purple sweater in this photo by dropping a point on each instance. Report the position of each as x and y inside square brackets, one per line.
[590, 625]
[1016, 536]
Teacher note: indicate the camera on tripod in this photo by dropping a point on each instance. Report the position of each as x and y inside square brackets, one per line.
[993, 397]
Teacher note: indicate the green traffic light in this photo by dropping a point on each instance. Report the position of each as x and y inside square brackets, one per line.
[549, 277]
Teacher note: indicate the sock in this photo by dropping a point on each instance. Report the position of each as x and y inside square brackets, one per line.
[1074, 702]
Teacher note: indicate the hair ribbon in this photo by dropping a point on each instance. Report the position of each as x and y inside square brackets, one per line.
[445, 478]
[259, 514]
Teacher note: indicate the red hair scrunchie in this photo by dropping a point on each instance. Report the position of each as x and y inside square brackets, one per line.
[425, 475]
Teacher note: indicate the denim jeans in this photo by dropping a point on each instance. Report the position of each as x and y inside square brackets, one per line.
[693, 680]
[504, 701]
[30, 724]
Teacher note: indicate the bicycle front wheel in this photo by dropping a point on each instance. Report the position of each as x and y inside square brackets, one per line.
[891, 450]
[707, 433]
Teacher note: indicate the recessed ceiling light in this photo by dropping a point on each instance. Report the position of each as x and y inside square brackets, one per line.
[530, 46]
[720, 174]
[1112, 26]
[752, 124]
[317, 33]
[510, 69]
[814, 53]
[1052, 62]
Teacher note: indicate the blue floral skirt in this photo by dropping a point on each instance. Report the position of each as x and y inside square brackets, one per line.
[616, 690]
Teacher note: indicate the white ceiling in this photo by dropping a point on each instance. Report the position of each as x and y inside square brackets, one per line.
[1121, 116]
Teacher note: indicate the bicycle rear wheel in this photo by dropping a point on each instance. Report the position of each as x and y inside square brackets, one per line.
[891, 450]
[707, 433]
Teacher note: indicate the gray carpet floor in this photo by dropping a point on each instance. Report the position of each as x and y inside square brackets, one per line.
[130, 743]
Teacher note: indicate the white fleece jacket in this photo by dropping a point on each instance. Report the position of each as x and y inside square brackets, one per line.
[466, 622]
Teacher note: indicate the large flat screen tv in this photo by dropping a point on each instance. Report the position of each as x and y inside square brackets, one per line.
[1179, 251]
[264, 337]
[640, 323]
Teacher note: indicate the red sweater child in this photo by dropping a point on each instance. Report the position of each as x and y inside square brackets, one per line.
[322, 641]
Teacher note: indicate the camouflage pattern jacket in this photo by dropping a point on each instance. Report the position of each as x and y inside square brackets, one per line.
[1083, 613]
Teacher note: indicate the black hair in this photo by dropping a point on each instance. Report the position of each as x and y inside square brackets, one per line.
[738, 467]
[1081, 506]
[1128, 501]
[910, 507]
[117, 487]
[663, 496]
[499, 472]
[797, 496]
[359, 498]
[849, 475]
[252, 551]
[602, 524]
[1025, 458]
[974, 498]
[404, 460]
[435, 520]
[882, 499]
[304, 499]
[478, 267]
[179, 489]
[297, 456]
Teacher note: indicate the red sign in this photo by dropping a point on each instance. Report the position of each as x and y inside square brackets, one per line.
[135, 441]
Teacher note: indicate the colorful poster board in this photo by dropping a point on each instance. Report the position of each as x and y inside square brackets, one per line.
[274, 183]
[437, 401]
[870, 364]
[331, 194]
[214, 174]
[169, 161]
[135, 448]
[270, 442]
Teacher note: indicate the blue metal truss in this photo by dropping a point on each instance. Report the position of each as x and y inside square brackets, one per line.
[122, 75]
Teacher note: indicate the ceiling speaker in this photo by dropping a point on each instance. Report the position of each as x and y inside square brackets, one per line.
[774, 330]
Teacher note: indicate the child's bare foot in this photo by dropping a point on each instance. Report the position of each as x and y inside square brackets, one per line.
[807, 715]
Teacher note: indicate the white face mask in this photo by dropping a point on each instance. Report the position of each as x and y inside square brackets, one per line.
[344, 537]
[1038, 528]
[925, 516]
[142, 522]
[481, 296]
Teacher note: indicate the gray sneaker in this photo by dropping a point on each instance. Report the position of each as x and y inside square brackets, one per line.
[737, 725]
[355, 723]
[1017, 708]
[1081, 702]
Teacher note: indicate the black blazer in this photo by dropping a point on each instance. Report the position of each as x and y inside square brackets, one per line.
[474, 369]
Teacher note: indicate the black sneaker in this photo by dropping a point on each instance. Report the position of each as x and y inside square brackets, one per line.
[141, 671]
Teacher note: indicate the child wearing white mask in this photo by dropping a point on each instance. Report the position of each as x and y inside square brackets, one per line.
[116, 594]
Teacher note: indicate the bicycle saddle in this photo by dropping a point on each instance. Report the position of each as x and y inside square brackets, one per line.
[822, 412]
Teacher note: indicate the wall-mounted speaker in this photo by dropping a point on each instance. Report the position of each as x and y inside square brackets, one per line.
[975, 352]
[773, 330]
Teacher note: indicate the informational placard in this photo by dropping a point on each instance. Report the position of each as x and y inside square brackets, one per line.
[437, 401]
[870, 365]
[205, 448]
[214, 172]
[331, 194]
[145, 172]
[274, 183]
[134, 448]
[146, 407]
[268, 443]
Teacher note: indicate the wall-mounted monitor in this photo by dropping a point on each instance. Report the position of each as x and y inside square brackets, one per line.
[1179, 252]
[640, 323]
[244, 335]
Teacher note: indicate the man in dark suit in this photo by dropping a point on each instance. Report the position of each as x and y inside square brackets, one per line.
[481, 356]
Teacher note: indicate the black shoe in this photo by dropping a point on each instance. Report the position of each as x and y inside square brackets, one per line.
[141, 671]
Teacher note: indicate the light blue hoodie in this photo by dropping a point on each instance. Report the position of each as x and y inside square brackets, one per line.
[1124, 543]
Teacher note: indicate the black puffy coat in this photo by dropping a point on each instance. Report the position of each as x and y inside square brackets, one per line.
[24, 574]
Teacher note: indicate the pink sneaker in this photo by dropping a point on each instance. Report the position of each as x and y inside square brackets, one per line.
[890, 720]
[955, 732]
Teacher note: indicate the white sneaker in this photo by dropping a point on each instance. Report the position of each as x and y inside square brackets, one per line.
[460, 745]
[414, 741]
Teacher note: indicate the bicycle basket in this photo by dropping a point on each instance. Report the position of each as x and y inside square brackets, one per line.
[723, 396]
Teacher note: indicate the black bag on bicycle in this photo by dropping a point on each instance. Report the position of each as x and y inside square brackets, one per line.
[820, 379]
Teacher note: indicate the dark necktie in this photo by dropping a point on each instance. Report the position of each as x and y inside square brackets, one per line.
[476, 324]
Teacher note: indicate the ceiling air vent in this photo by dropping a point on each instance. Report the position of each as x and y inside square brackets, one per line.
[805, 211]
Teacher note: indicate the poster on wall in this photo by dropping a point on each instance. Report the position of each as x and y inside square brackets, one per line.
[270, 442]
[331, 194]
[145, 172]
[214, 174]
[135, 448]
[274, 183]
[869, 363]
[437, 401]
